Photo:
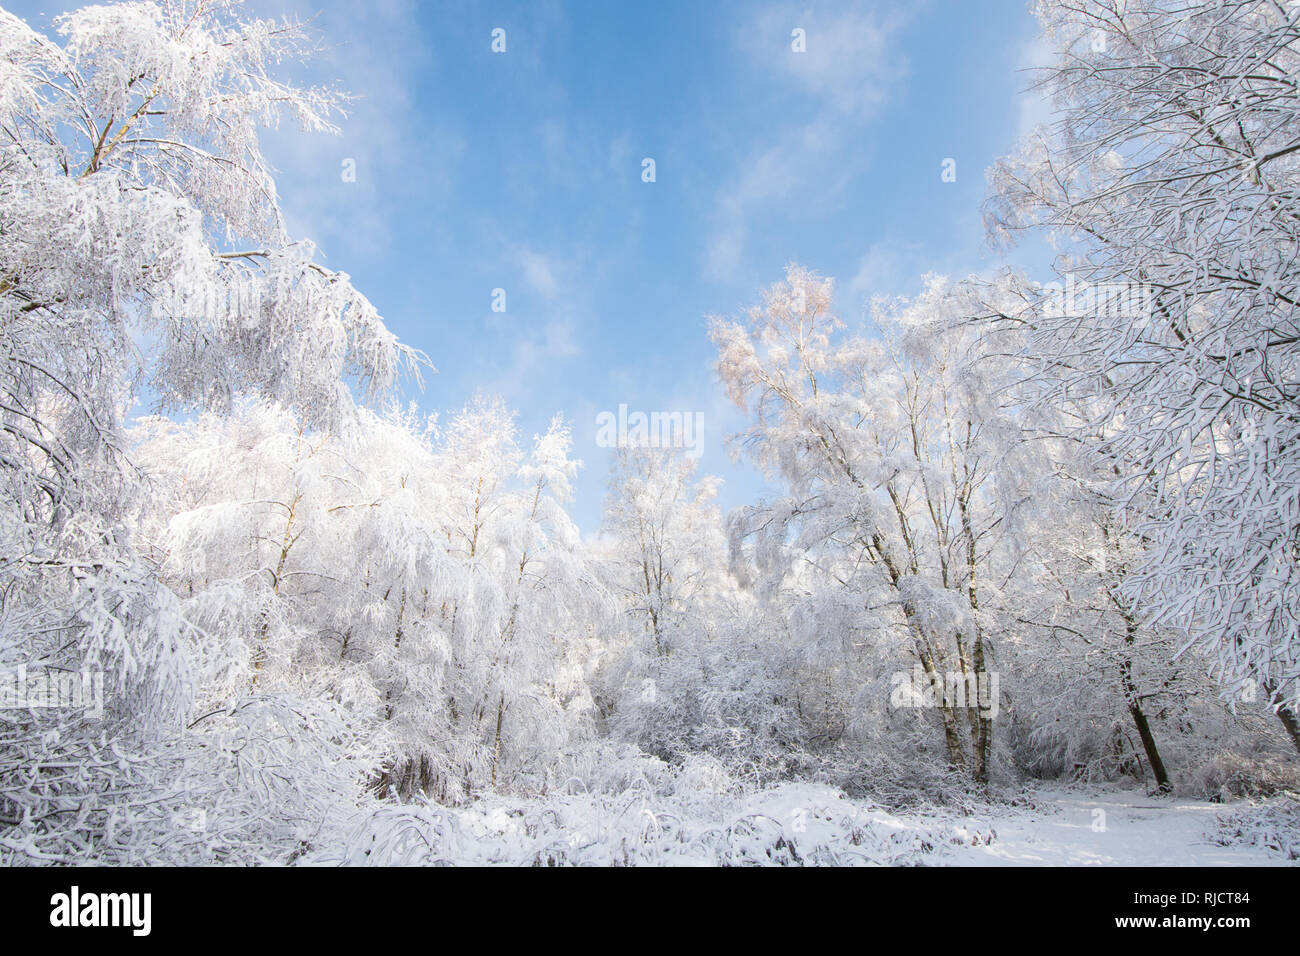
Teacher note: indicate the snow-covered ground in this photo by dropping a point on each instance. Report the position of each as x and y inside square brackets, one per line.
[804, 824]
[1130, 828]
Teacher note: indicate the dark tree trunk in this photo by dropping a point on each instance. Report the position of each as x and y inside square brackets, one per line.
[1285, 714]
[1135, 709]
[1149, 745]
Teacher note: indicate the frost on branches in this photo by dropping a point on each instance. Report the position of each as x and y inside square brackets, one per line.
[1016, 532]
[890, 447]
[142, 253]
[1173, 168]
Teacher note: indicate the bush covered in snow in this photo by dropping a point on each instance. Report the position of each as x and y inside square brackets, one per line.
[998, 544]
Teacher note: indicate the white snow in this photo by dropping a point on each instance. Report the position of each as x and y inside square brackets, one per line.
[809, 824]
[1065, 829]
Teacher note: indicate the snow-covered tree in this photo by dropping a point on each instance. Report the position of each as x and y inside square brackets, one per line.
[524, 619]
[142, 255]
[427, 583]
[668, 539]
[698, 664]
[1091, 674]
[900, 476]
[1170, 178]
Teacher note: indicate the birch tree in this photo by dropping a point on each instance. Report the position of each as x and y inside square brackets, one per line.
[142, 254]
[1170, 174]
[896, 463]
[697, 665]
[522, 624]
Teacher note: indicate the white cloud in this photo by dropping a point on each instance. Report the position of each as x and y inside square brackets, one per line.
[802, 157]
[724, 248]
[556, 341]
[1033, 106]
[377, 63]
[539, 273]
[850, 65]
[886, 268]
[850, 59]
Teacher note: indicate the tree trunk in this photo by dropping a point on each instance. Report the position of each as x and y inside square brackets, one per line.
[1144, 729]
[982, 729]
[1291, 723]
[1149, 745]
[951, 733]
[1135, 704]
[1285, 714]
[496, 744]
[259, 658]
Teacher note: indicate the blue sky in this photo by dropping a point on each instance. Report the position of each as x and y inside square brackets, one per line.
[522, 171]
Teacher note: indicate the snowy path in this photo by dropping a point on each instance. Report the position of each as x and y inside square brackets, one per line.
[1138, 831]
[813, 824]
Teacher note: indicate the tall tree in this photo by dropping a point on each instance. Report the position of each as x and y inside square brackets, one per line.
[142, 254]
[1171, 176]
[899, 469]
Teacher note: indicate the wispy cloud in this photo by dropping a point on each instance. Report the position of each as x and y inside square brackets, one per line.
[886, 268]
[849, 65]
[1033, 104]
[539, 274]
[351, 216]
[851, 57]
